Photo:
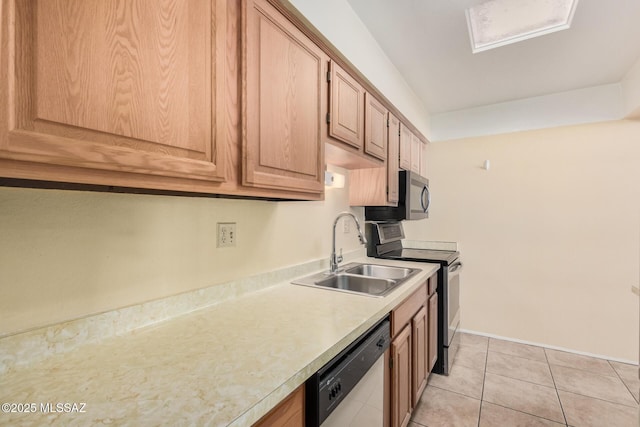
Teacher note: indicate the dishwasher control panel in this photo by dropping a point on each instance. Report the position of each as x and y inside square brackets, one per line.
[333, 382]
[334, 390]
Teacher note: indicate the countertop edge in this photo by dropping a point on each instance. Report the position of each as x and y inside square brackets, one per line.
[255, 388]
[270, 401]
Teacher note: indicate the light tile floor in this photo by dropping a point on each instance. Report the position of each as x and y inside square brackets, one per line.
[496, 383]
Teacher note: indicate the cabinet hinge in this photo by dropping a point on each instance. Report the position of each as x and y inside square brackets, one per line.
[391, 362]
[328, 118]
[387, 122]
[329, 76]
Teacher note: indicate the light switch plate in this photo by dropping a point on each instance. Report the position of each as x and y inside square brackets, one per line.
[226, 234]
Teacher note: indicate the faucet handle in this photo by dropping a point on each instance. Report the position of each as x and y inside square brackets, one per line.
[340, 258]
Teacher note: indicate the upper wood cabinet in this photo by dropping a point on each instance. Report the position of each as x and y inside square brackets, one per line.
[354, 139]
[423, 159]
[378, 186]
[393, 165]
[413, 152]
[94, 88]
[346, 107]
[416, 151]
[284, 71]
[406, 138]
[375, 127]
[232, 97]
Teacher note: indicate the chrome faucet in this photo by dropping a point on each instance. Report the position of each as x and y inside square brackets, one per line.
[336, 259]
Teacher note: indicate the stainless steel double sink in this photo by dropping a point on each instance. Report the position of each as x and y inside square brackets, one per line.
[361, 278]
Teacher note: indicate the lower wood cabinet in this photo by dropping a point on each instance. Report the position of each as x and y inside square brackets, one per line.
[289, 413]
[419, 349]
[401, 370]
[413, 350]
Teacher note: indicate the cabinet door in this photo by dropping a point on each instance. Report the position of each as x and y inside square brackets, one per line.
[96, 87]
[393, 159]
[423, 159]
[416, 149]
[378, 186]
[289, 413]
[346, 107]
[283, 71]
[375, 125]
[401, 379]
[432, 352]
[406, 139]
[419, 352]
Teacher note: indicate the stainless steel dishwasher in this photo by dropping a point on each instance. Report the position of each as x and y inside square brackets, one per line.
[349, 390]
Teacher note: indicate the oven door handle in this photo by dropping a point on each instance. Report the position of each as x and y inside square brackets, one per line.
[455, 266]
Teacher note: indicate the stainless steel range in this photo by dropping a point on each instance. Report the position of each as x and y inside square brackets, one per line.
[386, 240]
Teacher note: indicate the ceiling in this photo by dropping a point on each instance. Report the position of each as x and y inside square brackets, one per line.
[428, 42]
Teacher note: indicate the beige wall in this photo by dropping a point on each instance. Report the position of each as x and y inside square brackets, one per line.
[631, 91]
[66, 254]
[549, 236]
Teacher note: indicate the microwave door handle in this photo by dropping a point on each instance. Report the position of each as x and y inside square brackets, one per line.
[425, 199]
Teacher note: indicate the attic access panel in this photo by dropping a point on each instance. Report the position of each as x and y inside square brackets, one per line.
[497, 23]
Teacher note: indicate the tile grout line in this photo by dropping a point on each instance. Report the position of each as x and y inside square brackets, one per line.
[484, 379]
[524, 381]
[517, 355]
[623, 382]
[526, 413]
[522, 357]
[601, 399]
[557, 387]
[528, 382]
[585, 370]
[566, 422]
[454, 392]
[580, 393]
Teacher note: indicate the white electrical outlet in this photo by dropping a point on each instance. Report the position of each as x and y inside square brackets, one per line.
[346, 225]
[226, 234]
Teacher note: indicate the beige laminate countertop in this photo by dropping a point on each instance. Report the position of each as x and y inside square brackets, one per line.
[228, 364]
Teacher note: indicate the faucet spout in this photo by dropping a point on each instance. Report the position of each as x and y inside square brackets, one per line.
[334, 260]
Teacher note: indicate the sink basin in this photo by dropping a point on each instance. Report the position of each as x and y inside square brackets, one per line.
[381, 271]
[365, 279]
[353, 283]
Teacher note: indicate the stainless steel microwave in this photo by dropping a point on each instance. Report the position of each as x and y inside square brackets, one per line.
[413, 203]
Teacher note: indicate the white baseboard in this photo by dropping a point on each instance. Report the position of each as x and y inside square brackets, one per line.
[552, 347]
